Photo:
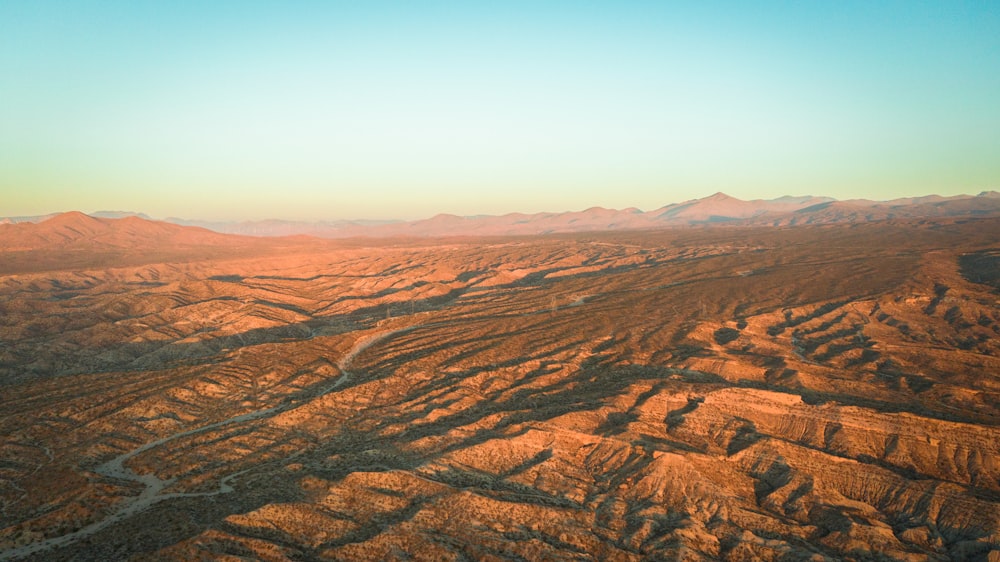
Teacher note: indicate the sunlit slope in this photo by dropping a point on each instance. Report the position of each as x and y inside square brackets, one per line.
[734, 393]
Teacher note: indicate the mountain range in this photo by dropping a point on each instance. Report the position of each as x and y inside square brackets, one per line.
[715, 209]
[698, 390]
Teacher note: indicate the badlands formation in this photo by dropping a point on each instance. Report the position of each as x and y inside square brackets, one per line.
[817, 392]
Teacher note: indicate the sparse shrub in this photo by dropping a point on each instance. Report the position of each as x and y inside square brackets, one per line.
[953, 314]
[726, 335]
[867, 356]
[685, 351]
[888, 366]
[981, 267]
[966, 344]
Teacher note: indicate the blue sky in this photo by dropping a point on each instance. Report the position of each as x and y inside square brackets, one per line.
[325, 110]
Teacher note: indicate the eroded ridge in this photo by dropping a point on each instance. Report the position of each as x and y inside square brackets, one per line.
[824, 393]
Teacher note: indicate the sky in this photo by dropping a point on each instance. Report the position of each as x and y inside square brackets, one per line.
[232, 110]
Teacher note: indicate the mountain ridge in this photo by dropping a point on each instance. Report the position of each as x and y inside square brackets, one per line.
[716, 209]
[74, 230]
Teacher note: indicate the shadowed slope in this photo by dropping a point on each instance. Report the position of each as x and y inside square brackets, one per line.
[695, 394]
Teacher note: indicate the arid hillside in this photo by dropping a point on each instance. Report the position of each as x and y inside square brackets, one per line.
[811, 392]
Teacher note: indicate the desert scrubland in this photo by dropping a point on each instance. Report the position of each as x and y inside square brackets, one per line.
[775, 393]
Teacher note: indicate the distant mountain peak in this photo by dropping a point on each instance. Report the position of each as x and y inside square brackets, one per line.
[73, 219]
[119, 215]
[70, 216]
[446, 217]
[720, 196]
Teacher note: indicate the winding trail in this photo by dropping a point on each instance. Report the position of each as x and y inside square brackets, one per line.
[154, 485]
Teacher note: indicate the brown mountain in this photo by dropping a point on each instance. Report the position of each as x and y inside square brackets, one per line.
[715, 209]
[75, 239]
[861, 210]
[723, 208]
[79, 231]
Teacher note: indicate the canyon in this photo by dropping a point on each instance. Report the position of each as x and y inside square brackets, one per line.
[760, 389]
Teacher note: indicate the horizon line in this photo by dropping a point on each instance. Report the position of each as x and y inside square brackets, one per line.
[173, 218]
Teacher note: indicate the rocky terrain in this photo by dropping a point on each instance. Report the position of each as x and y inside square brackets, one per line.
[816, 392]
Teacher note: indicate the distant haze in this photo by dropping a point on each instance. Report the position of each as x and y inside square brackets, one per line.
[717, 209]
[335, 110]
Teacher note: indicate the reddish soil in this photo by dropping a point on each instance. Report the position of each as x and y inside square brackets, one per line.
[774, 393]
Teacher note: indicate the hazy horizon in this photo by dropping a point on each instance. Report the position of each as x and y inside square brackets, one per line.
[315, 111]
[105, 213]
